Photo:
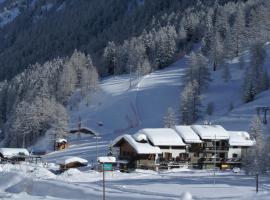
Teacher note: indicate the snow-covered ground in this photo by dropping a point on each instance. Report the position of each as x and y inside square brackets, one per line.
[125, 109]
[30, 181]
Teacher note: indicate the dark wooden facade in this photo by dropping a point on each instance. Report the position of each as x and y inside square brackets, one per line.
[134, 160]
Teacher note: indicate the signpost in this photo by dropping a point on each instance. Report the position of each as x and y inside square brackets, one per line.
[107, 165]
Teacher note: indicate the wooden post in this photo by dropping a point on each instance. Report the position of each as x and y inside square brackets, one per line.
[103, 171]
[257, 183]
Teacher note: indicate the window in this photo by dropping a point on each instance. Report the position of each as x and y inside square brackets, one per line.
[196, 154]
[235, 155]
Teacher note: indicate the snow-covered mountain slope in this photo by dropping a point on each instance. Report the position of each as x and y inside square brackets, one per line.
[124, 109]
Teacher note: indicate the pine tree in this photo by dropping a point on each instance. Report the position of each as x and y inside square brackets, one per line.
[198, 70]
[238, 34]
[190, 103]
[216, 50]
[110, 57]
[255, 77]
[256, 157]
[169, 118]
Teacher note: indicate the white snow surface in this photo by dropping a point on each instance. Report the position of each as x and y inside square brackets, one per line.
[163, 136]
[30, 181]
[71, 159]
[240, 138]
[211, 132]
[10, 152]
[139, 137]
[188, 134]
[61, 140]
[140, 148]
[106, 159]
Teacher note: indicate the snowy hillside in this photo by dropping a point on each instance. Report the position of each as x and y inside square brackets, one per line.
[124, 109]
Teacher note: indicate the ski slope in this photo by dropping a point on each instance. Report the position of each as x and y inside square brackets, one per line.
[122, 108]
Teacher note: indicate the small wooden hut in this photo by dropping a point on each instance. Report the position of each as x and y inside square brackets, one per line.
[61, 144]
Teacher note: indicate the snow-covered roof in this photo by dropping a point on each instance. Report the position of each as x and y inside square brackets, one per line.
[139, 137]
[140, 148]
[61, 140]
[11, 152]
[188, 134]
[71, 159]
[107, 159]
[163, 136]
[211, 132]
[240, 138]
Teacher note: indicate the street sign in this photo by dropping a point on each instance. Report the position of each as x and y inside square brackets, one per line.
[107, 167]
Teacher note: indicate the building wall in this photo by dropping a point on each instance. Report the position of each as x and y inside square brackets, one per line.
[174, 152]
[235, 150]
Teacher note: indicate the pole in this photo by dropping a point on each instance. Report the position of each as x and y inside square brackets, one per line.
[97, 147]
[215, 160]
[257, 183]
[23, 145]
[103, 172]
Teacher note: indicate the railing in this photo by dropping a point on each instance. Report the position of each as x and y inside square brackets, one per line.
[220, 160]
[216, 149]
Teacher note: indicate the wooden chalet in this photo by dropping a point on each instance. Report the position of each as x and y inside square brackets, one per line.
[136, 154]
[84, 130]
[71, 162]
[13, 154]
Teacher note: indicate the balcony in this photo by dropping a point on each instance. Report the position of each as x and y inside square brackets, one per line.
[217, 149]
[219, 160]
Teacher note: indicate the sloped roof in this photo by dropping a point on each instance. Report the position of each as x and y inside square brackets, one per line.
[106, 159]
[71, 159]
[61, 140]
[188, 134]
[140, 148]
[163, 136]
[211, 132]
[11, 152]
[240, 138]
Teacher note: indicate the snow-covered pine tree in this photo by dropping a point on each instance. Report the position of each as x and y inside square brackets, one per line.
[190, 103]
[169, 118]
[237, 34]
[198, 70]
[255, 160]
[216, 50]
[255, 77]
[110, 57]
